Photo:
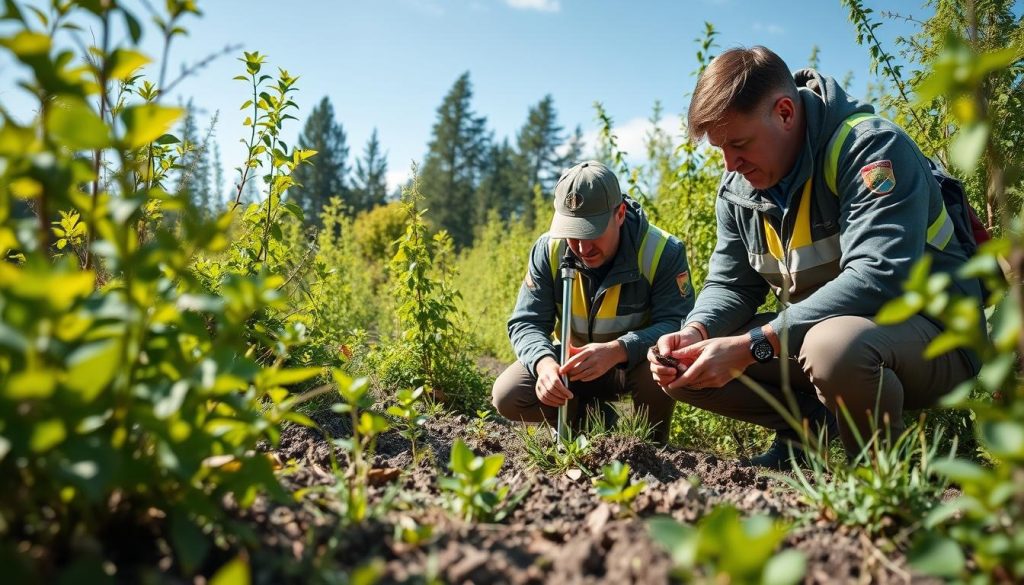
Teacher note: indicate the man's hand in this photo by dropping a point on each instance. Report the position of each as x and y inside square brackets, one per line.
[671, 345]
[550, 389]
[593, 360]
[712, 363]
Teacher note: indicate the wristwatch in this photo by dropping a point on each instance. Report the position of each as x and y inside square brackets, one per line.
[760, 347]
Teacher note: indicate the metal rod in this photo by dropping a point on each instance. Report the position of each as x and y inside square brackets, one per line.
[568, 276]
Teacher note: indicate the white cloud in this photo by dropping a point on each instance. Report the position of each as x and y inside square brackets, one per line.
[772, 29]
[398, 178]
[631, 136]
[538, 5]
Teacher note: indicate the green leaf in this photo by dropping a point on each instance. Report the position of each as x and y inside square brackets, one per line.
[27, 44]
[147, 122]
[31, 385]
[235, 572]
[189, 542]
[167, 139]
[460, 458]
[960, 470]
[5, 447]
[47, 434]
[134, 28]
[680, 540]
[290, 376]
[74, 124]
[936, 555]
[946, 342]
[92, 367]
[994, 373]
[1006, 324]
[295, 210]
[11, 12]
[786, 567]
[124, 62]
[900, 309]
[967, 147]
[1005, 439]
[492, 465]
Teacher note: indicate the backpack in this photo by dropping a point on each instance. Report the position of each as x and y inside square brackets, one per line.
[967, 227]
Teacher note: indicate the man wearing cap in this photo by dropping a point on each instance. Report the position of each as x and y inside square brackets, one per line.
[632, 287]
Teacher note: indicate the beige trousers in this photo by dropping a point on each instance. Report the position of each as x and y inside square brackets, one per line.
[515, 397]
[850, 360]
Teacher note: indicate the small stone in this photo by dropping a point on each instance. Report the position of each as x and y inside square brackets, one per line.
[598, 518]
[574, 473]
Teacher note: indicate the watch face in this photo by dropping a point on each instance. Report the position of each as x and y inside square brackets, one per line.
[763, 351]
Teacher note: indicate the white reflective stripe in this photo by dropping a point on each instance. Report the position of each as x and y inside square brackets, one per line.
[818, 253]
[765, 263]
[620, 324]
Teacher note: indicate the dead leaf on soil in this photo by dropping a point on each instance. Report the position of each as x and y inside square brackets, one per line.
[382, 475]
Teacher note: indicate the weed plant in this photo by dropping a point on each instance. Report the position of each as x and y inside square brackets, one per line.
[616, 487]
[476, 493]
[888, 487]
[723, 548]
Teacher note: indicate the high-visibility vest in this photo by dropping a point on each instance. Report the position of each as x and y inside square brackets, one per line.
[604, 322]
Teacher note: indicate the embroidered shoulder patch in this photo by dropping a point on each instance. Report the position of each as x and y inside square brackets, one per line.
[528, 282]
[878, 177]
[683, 282]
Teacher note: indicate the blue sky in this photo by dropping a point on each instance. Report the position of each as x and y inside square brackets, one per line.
[388, 63]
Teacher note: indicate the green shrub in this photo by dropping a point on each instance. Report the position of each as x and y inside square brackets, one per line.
[133, 393]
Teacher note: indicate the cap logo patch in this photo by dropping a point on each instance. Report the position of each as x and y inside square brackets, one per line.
[878, 177]
[573, 201]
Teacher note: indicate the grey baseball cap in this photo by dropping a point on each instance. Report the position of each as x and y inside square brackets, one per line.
[586, 195]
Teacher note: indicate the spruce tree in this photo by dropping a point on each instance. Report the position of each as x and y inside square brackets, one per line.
[193, 176]
[452, 167]
[574, 148]
[219, 193]
[325, 178]
[502, 186]
[371, 186]
[539, 141]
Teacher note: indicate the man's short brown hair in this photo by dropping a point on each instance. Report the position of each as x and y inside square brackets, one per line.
[738, 80]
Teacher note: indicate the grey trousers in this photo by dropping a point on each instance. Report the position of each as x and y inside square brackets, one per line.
[848, 360]
[514, 396]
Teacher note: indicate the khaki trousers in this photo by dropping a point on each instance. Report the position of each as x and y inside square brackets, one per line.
[848, 360]
[515, 397]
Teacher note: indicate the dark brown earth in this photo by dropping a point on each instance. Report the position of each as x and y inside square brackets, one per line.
[561, 532]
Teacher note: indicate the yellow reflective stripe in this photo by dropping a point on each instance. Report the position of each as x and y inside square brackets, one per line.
[772, 239]
[836, 145]
[555, 251]
[802, 227]
[610, 302]
[941, 230]
[579, 299]
[649, 254]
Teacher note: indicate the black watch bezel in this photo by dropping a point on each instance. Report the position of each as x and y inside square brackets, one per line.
[760, 348]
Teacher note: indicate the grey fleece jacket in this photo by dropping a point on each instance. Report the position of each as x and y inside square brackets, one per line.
[645, 310]
[833, 254]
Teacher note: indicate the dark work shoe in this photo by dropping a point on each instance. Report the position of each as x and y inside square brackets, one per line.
[778, 456]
